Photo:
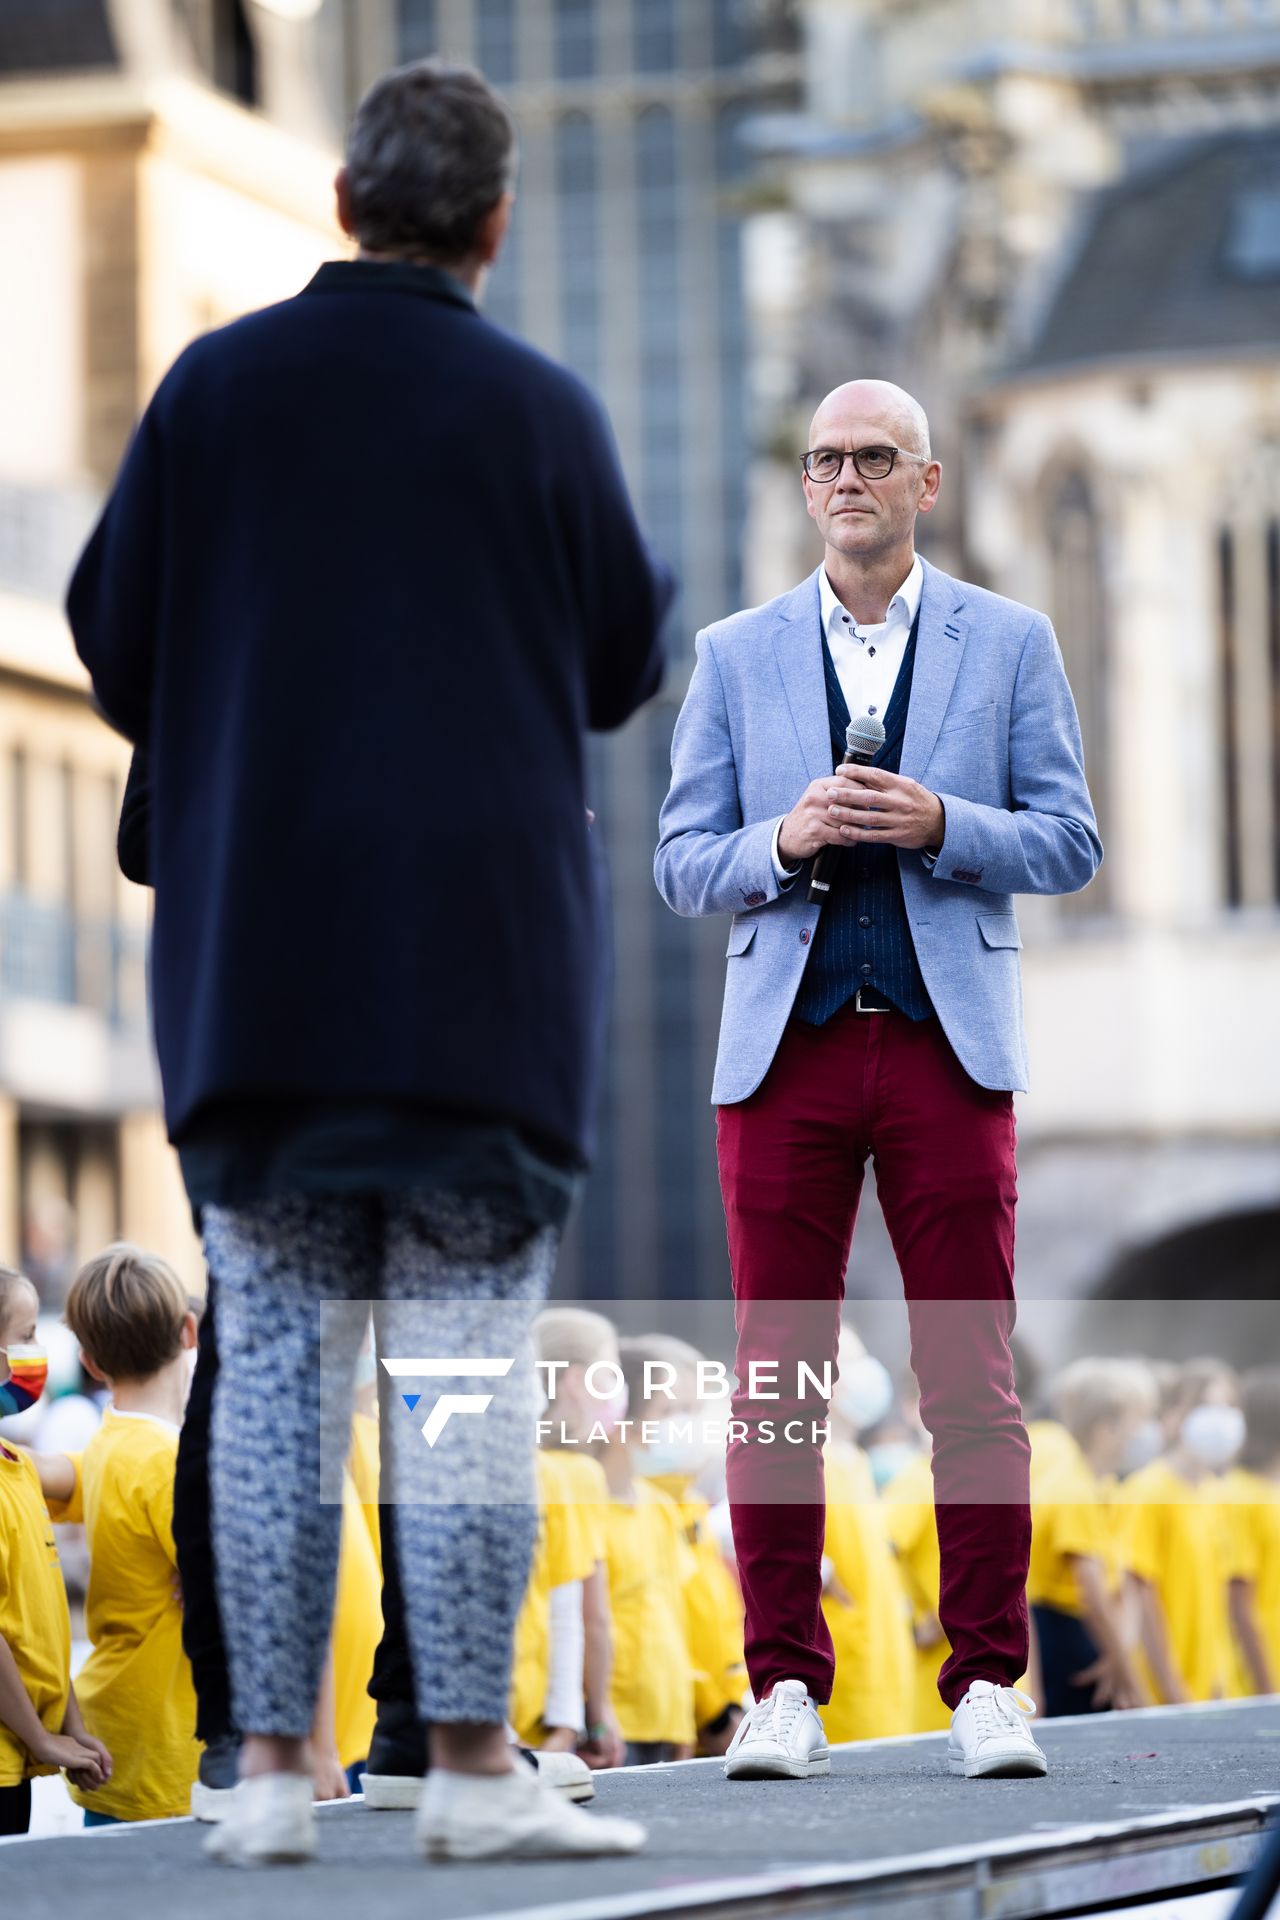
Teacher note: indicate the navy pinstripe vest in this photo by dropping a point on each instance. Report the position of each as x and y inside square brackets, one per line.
[862, 937]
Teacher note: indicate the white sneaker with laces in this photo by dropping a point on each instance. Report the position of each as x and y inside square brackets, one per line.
[779, 1738]
[512, 1816]
[268, 1822]
[990, 1735]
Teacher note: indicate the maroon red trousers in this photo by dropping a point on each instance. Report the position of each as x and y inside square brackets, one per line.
[791, 1170]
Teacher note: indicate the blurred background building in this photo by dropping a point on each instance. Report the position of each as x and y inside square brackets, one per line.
[1057, 221]
[162, 168]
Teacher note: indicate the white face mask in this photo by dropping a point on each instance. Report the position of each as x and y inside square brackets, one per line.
[1213, 1435]
[1145, 1444]
[864, 1392]
[674, 1453]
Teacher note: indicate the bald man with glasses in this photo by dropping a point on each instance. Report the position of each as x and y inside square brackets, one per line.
[881, 1019]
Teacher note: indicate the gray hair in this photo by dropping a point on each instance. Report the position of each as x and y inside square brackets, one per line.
[431, 151]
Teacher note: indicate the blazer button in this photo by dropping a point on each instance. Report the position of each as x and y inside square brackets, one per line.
[804, 936]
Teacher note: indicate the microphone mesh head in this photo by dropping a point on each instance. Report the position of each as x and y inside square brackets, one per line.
[864, 734]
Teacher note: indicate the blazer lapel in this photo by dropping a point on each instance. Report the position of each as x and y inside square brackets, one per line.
[797, 646]
[939, 645]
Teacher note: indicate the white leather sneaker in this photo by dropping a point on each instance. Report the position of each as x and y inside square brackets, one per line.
[990, 1735]
[268, 1822]
[779, 1738]
[512, 1816]
[401, 1792]
[568, 1773]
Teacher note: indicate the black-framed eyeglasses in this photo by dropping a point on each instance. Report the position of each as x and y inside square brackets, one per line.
[825, 464]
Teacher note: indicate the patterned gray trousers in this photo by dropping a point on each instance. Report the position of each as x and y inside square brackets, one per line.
[448, 1278]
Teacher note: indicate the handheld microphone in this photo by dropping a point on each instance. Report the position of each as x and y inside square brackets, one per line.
[864, 738]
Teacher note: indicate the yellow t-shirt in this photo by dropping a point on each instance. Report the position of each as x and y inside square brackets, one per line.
[33, 1608]
[874, 1690]
[357, 1629]
[1068, 1522]
[1174, 1535]
[1251, 1512]
[135, 1689]
[578, 1481]
[913, 1534]
[571, 1500]
[1050, 1444]
[650, 1565]
[713, 1606]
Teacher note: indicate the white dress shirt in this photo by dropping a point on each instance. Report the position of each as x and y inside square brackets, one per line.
[866, 660]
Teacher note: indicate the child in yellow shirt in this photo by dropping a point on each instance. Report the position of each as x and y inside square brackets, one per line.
[136, 1329]
[650, 1565]
[41, 1729]
[547, 1664]
[713, 1599]
[864, 1600]
[1252, 1491]
[1073, 1586]
[1175, 1540]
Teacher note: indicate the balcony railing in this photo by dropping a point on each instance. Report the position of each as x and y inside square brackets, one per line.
[1112, 20]
[49, 953]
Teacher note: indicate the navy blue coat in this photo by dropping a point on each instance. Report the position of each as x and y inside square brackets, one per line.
[368, 574]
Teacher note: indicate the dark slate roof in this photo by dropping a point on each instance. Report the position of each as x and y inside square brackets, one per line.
[49, 36]
[1182, 258]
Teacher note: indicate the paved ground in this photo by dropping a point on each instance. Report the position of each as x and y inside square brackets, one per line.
[881, 1800]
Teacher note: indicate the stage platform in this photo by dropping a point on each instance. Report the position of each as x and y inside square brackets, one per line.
[1135, 1806]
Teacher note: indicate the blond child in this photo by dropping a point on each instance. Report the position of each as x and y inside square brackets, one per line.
[650, 1567]
[1252, 1491]
[570, 1341]
[136, 1329]
[41, 1728]
[1074, 1583]
[713, 1599]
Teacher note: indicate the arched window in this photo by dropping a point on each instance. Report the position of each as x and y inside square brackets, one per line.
[655, 36]
[1248, 585]
[575, 39]
[417, 29]
[577, 186]
[1079, 615]
[658, 248]
[495, 40]
[729, 33]
[730, 170]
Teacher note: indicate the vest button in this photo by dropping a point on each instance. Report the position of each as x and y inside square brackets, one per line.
[864, 919]
[865, 967]
[804, 936]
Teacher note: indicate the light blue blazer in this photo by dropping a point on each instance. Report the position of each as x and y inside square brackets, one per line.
[991, 729]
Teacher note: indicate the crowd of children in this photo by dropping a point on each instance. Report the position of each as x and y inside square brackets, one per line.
[1155, 1573]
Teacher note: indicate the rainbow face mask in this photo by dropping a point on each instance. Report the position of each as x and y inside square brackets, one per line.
[28, 1371]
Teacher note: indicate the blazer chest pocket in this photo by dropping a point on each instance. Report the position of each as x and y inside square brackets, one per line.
[741, 934]
[999, 930]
